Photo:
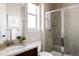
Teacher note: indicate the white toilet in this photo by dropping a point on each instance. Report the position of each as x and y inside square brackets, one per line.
[45, 54]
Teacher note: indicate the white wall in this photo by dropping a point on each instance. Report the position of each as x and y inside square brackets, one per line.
[2, 21]
[15, 10]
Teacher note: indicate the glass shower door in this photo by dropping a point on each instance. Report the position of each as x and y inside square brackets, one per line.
[56, 30]
[53, 24]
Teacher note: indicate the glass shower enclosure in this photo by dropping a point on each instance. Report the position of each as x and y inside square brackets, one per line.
[63, 24]
[55, 25]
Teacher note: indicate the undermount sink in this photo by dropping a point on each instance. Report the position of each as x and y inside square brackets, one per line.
[15, 47]
[12, 49]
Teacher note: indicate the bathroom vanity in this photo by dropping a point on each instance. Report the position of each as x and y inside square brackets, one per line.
[27, 49]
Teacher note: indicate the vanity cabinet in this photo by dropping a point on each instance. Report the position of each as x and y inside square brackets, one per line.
[32, 52]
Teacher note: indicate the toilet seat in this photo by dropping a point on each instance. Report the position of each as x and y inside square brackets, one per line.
[45, 54]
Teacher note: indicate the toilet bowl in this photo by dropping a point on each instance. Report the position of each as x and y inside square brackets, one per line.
[45, 54]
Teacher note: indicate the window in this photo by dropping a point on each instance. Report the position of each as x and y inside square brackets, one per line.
[33, 16]
[32, 9]
[31, 21]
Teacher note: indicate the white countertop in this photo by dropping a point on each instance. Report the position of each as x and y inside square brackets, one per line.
[17, 49]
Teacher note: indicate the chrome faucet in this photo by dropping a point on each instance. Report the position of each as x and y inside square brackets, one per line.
[9, 42]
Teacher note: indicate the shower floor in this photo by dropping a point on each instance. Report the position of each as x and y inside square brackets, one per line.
[55, 53]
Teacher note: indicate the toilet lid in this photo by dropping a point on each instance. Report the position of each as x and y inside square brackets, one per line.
[45, 54]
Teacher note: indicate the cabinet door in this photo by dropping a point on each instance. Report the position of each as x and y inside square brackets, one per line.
[32, 52]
